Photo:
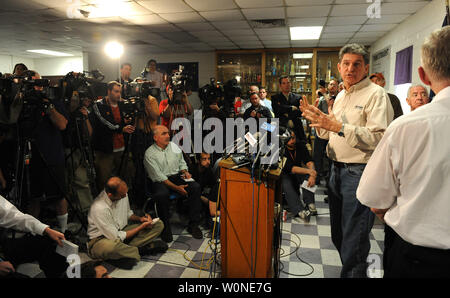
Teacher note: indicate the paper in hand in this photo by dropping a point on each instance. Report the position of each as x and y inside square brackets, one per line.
[67, 249]
[311, 189]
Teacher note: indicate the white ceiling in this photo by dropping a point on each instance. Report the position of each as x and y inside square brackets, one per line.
[164, 26]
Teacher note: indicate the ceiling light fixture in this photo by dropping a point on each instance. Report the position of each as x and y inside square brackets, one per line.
[114, 49]
[50, 53]
[305, 33]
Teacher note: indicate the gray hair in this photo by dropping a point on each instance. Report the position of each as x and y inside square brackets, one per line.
[436, 53]
[357, 49]
[416, 85]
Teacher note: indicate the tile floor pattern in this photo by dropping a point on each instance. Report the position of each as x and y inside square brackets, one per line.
[319, 257]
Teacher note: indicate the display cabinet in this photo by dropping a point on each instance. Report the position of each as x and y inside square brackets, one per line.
[246, 68]
[305, 67]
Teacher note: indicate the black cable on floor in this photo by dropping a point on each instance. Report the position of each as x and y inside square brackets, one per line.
[298, 257]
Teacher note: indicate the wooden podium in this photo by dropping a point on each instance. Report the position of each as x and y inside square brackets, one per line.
[238, 195]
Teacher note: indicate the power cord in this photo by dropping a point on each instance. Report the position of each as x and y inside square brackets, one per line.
[296, 251]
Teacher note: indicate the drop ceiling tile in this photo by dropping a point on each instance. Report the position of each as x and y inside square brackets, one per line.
[196, 26]
[152, 19]
[334, 40]
[283, 43]
[22, 5]
[349, 10]
[264, 13]
[45, 3]
[307, 2]
[272, 31]
[238, 32]
[308, 11]
[306, 21]
[218, 38]
[348, 28]
[179, 37]
[222, 44]
[331, 44]
[259, 3]
[402, 7]
[337, 35]
[274, 37]
[206, 33]
[222, 15]
[249, 44]
[202, 5]
[182, 17]
[378, 27]
[351, 1]
[354, 20]
[232, 25]
[388, 19]
[166, 6]
[370, 34]
[240, 38]
[162, 28]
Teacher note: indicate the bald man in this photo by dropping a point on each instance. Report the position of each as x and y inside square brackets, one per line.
[168, 171]
[110, 236]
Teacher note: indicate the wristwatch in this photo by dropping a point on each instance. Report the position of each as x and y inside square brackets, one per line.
[341, 132]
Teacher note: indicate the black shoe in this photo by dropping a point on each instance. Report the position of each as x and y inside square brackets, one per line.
[125, 263]
[195, 231]
[325, 200]
[153, 248]
[166, 234]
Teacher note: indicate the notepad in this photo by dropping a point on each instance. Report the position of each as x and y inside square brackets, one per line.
[67, 249]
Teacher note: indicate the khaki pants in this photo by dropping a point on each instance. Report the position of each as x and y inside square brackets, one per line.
[106, 249]
[108, 164]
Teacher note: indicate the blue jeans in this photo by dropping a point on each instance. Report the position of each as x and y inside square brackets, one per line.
[351, 222]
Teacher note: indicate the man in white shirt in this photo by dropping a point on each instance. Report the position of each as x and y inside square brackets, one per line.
[29, 248]
[354, 126]
[111, 238]
[406, 181]
[264, 101]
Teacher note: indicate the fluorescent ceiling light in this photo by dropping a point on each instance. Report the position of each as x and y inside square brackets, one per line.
[304, 66]
[305, 33]
[50, 53]
[303, 55]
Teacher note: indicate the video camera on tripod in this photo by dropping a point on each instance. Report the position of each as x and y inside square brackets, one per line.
[180, 82]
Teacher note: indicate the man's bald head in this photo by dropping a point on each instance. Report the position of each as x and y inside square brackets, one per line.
[116, 188]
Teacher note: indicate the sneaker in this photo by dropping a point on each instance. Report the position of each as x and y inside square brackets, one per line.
[124, 263]
[195, 231]
[312, 209]
[304, 215]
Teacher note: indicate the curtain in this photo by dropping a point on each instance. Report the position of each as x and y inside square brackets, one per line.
[403, 66]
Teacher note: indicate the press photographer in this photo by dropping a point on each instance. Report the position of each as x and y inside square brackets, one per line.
[211, 96]
[108, 140]
[39, 127]
[177, 104]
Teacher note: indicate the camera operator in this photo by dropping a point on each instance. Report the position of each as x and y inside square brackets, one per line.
[256, 110]
[125, 77]
[19, 69]
[47, 166]
[174, 107]
[109, 126]
[155, 77]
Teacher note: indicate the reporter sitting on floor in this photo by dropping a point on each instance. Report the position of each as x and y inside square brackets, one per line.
[293, 176]
[29, 248]
[111, 238]
[167, 169]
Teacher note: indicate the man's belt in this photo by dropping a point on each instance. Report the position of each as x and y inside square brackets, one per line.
[338, 164]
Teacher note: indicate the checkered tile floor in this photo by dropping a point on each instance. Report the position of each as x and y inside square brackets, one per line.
[319, 258]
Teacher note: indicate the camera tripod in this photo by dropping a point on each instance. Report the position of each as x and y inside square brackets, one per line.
[26, 149]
